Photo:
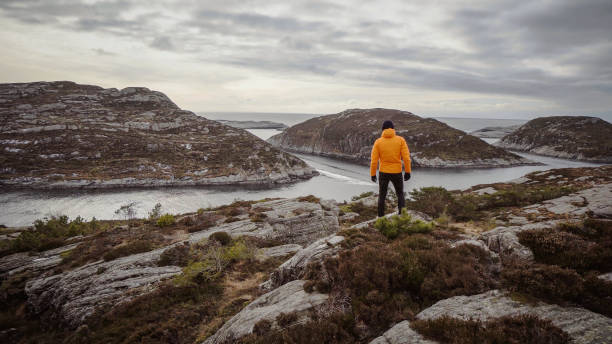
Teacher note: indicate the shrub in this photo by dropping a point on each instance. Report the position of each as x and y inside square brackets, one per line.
[262, 327]
[194, 274]
[431, 200]
[512, 330]
[257, 216]
[222, 237]
[166, 220]
[239, 251]
[130, 248]
[48, 233]
[177, 255]
[560, 285]
[286, 319]
[398, 224]
[127, 211]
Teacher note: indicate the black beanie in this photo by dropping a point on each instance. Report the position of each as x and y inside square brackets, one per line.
[387, 124]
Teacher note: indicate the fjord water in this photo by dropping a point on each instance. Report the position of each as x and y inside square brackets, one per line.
[338, 180]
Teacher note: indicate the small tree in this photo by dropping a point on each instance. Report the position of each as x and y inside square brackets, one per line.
[155, 213]
[127, 211]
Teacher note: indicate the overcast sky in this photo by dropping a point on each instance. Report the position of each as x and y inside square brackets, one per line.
[506, 59]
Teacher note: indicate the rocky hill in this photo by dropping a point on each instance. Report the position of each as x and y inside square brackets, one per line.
[570, 137]
[350, 135]
[530, 258]
[254, 124]
[62, 134]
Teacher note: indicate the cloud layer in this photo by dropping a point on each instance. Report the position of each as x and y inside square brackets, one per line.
[481, 57]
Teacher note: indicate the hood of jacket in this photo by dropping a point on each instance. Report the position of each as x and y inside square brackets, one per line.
[388, 133]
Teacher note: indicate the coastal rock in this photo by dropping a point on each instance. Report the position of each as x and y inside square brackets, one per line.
[401, 333]
[288, 298]
[254, 124]
[350, 134]
[581, 325]
[295, 267]
[494, 132]
[66, 135]
[569, 137]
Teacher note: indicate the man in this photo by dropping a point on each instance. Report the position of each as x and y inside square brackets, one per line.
[390, 149]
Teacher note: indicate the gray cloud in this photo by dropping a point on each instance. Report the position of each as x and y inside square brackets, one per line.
[555, 50]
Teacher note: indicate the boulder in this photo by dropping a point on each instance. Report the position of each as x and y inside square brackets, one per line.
[295, 267]
[288, 298]
[401, 333]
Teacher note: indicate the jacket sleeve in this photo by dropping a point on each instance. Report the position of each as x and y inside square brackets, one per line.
[406, 156]
[374, 159]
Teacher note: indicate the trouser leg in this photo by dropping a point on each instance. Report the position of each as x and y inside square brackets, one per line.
[398, 185]
[383, 183]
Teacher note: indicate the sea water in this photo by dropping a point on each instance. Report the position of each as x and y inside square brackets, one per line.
[337, 180]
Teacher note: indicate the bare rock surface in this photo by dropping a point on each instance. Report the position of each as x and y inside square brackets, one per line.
[288, 298]
[289, 220]
[570, 137]
[294, 268]
[349, 135]
[62, 135]
[504, 241]
[74, 295]
[401, 333]
[37, 262]
[581, 325]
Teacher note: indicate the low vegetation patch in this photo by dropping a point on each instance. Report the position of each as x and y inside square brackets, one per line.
[390, 282]
[511, 330]
[128, 249]
[401, 224]
[583, 247]
[49, 233]
[166, 220]
[309, 198]
[559, 285]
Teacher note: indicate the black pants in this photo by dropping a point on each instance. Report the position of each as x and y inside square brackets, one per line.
[383, 185]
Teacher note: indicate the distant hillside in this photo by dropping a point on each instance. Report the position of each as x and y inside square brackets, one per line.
[571, 137]
[61, 134]
[494, 132]
[351, 133]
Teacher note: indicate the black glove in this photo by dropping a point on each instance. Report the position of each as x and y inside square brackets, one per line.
[374, 179]
[406, 176]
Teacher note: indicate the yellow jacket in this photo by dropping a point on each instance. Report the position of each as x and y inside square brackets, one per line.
[390, 149]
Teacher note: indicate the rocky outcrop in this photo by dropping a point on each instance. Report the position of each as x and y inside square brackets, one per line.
[350, 135]
[503, 240]
[254, 124]
[401, 333]
[62, 134]
[288, 298]
[569, 137]
[494, 132]
[295, 267]
[74, 295]
[289, 221]
[581, 325]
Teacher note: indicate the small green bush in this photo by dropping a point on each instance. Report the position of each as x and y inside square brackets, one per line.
[238, 251]
[398, 224]
[194, 274]
[155, 213]
[222, 237]
[177, 256]
[166, 220]
[362, 195]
